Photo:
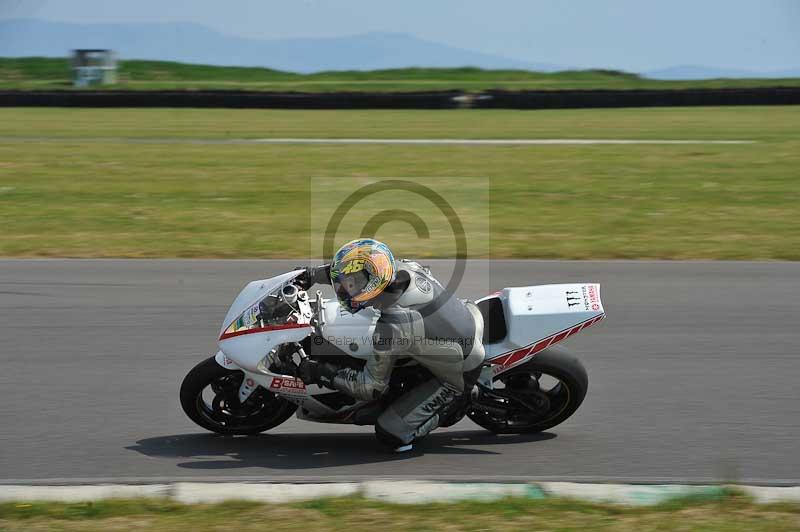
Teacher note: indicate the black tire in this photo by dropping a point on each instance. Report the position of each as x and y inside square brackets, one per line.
[266, 410]
[573, 384]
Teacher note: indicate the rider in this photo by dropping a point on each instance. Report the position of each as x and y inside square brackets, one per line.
[419, 319]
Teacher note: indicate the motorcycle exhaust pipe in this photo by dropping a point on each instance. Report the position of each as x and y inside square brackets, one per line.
[490, 409]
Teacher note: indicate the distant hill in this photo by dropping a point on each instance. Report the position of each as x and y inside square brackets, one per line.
[191, 43]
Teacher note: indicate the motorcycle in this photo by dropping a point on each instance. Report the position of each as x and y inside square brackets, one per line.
[527, 384]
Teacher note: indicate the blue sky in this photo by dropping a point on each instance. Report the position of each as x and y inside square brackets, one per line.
[635, 35]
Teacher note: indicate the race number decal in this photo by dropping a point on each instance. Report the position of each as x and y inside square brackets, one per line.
[354, 266]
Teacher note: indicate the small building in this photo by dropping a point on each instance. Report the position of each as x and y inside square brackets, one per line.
[93, 67]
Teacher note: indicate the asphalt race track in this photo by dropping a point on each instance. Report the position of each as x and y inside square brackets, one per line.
[694, 376]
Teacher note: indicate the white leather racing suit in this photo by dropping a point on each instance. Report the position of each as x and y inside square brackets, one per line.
[418, 319]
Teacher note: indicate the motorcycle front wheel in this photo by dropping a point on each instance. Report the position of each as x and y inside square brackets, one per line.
[533, 396]
[210, 397]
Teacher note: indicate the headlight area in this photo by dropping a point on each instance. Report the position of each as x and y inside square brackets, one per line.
[284, 308]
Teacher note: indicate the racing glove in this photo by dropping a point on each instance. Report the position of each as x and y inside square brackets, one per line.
[314, 275]
[312, 372]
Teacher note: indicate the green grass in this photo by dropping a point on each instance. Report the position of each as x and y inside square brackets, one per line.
[774, 124]
[54, 73]
[73, 197]
[728, 513]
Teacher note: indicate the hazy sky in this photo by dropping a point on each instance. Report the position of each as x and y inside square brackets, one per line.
[636, 35]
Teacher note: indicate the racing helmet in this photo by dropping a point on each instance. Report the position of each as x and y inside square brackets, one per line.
[360, 271]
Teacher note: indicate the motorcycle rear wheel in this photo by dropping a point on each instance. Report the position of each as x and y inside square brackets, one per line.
[552, 405]
[223, 414]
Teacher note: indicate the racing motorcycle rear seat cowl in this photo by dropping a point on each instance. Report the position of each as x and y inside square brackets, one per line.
[533, 313]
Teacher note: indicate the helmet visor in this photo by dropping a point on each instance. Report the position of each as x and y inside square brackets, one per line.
[350, 285]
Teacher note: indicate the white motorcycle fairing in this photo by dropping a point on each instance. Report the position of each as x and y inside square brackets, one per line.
[537, 317]
[254, 292]
[245, 349]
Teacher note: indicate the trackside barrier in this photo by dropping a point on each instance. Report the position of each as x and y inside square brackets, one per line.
[491, 99]
[231, 99]
[573, 99]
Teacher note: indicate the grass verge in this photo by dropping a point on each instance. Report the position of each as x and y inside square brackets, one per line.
[730, 512]
[66, 196]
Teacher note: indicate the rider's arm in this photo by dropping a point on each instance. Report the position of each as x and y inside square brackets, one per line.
[316, 275]
[368, 383]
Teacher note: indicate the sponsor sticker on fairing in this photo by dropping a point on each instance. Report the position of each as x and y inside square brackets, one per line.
[572, 298]
[250, 316]
[423, 285]
[594, 297]
[286, 385]
[591, 298]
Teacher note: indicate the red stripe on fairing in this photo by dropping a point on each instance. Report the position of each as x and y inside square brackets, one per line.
[510, 358]
[560, 337]
[501, 360]
[541, 345]
[513, 358]
[268, 328]
[518, 355]
[592, 321]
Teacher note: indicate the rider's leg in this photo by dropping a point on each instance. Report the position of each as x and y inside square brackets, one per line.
[471, 368]
[440, 399]
[456, 411]
[415, 414]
